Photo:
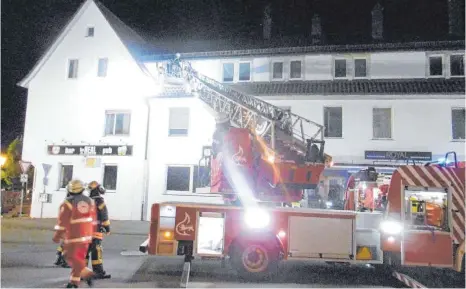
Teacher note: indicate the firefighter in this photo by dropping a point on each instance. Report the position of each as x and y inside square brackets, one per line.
[103, 226]
[60, 261]
[75, 226]
[221, 129]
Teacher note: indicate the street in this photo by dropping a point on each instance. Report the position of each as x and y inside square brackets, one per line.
[28, 254]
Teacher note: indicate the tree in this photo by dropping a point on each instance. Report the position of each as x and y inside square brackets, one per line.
[11, 169]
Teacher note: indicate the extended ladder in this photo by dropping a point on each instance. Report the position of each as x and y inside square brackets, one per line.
[290, 135]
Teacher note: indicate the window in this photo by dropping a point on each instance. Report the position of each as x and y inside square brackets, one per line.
[73, 68]
[435, 66]
[333, 121]
[178, 121]
[90, 32]
[102, 68]
[382, 123]
[110, 177]
[228, 72]
[117, 123]
[458, 123]
[66, 175]
[245, 71]
[295, 69]
[178, 178]
[277, 72]
[457, 65]
[340, 68]
[360, 68]
[201, 177]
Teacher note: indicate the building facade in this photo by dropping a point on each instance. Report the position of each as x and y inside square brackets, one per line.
[98, 109]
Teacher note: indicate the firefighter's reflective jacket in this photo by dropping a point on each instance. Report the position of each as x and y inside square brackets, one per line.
[76, 219]
[103, 223]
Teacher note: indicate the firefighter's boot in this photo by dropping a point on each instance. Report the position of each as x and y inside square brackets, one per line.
[100, 273]
[71, 285]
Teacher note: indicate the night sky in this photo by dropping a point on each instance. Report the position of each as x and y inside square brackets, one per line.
[29, 27]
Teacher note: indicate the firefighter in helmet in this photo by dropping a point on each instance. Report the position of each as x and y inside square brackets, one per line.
[103, 227]
[75, 225]
[60, 261]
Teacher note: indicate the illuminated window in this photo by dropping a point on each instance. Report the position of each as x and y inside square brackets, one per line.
[110, 177]
[333, 121]
[178, 123]
[102, 67]
[66, 175]
[228, 72]
[117, 123]
[73, 68]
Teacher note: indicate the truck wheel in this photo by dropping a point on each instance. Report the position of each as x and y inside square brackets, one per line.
[254, 261]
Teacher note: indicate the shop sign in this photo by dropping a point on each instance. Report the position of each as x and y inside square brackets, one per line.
[90, 150]
[397, 155]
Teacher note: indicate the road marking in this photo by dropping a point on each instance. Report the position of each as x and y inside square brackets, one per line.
[132, 253]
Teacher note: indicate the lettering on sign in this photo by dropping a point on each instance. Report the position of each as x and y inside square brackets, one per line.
[397, 155]
[90, 150]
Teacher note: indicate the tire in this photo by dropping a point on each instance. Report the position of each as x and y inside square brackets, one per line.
[253, 261]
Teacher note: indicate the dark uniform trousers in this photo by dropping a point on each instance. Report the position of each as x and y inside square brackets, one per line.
[95, 248]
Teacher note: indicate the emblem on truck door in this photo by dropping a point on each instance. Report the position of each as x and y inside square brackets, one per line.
[184, 228]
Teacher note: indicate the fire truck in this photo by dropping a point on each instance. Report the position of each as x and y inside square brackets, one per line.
[262, 159]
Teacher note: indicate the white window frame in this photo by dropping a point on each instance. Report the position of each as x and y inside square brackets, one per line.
[391, 122]
[68, 69]
[451, 124]
[114, 122]
[223, 71]
[283, 70]
[323, 121]
[442, 56]
[303, 69]
[448, 65]
[98, 66]
[191, 180]
[189, 122]
[250, 71]
[103, 176]
[354, 67]
[334, 66]
[60, 166]
[87, 31]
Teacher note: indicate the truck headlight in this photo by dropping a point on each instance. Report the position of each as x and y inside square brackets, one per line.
[391, 227]
[256, 218]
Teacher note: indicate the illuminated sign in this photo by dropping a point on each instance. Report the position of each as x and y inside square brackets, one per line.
[90, 150]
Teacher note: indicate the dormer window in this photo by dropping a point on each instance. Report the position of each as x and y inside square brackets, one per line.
[90, 32]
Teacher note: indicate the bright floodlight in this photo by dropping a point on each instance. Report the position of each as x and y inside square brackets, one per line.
[256, 218]
[391, 227]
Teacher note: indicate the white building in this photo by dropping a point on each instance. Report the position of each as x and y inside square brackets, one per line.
[97, 109]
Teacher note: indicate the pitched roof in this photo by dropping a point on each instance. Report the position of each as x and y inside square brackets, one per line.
[355, 87]
[133, 42]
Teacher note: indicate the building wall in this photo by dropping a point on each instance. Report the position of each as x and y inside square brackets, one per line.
[72, 111]
[380, 65]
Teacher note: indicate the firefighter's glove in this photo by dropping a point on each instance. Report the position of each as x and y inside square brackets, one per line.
[56, 238]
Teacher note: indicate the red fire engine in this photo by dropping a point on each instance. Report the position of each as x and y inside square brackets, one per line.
[262, 166]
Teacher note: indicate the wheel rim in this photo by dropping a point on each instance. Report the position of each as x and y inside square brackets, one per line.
[255, 258]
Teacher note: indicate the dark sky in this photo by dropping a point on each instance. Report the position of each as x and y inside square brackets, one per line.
[29, 26]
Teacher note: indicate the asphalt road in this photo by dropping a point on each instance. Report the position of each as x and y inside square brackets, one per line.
[28, 254]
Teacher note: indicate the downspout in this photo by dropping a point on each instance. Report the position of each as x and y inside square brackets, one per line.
[145, 195]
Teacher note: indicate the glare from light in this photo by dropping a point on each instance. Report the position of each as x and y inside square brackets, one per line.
[364, 186]
[256, 218]
[391, 227]
[271, 158]
[2, 160]
[281, 234]
[329, 204]
[167, 234]
[391, 239]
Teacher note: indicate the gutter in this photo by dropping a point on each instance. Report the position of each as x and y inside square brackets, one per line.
[145, 195]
